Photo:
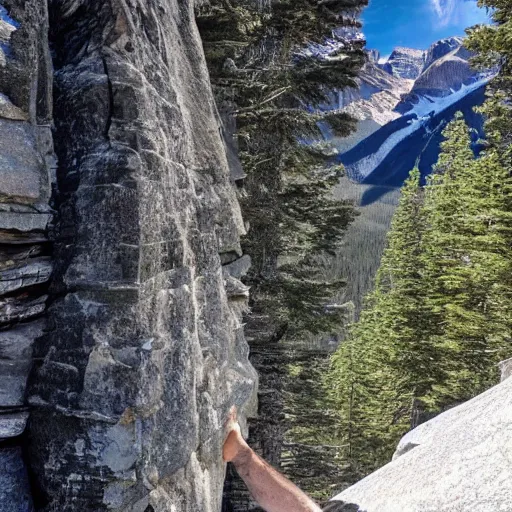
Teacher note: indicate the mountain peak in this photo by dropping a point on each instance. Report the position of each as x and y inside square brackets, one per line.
[441, 48]
[408, 51]
[405, 62]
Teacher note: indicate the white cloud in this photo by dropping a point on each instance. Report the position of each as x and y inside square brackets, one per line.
[452, 12]
[384, 59]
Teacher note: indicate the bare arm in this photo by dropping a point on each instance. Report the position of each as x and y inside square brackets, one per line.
[272, 491]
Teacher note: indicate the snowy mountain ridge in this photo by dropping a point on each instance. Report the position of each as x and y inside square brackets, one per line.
[391, 108]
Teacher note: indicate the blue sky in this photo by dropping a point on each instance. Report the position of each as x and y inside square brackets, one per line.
[417, 23]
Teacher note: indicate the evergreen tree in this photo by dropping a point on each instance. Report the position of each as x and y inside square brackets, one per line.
[439, 319]
[386, 367]
[268, 74]
[271, 67]
[493, 47]
[465, 254]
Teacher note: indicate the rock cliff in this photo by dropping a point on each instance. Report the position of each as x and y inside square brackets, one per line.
[136, 350]
[26, 173]
[405, 63]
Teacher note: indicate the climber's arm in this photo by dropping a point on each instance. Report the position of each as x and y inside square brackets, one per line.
[272, 491]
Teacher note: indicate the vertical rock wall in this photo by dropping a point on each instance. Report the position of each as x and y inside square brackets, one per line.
[143, 352]
[26, 168]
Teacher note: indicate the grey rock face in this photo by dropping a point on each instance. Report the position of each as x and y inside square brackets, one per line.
[145, 352]
[22, 172]
[441, 48]
[36, 271]
[446, 73]
[405, 63]
[26, 161]
[373, 56]
[13, 424]
[459, 461]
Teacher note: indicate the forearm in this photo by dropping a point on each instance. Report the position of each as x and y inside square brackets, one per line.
[272, 491]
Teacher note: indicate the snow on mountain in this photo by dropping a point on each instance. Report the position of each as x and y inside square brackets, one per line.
[443, 75]
[429, 105]
[418, 118]
[405, 63]
[441, 48]
[393, 111]
[372, 103]
[400, 126]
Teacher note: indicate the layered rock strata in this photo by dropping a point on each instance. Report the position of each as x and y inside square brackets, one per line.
[26, 170]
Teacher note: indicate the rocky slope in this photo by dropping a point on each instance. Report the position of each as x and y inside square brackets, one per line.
[459, 461]
[372, 103]
[405, 63]
[446, 84]
[141, 351]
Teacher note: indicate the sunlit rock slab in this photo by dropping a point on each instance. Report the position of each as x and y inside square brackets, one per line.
[461, 461]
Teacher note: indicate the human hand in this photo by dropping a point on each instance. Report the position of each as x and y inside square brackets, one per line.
[234, 443]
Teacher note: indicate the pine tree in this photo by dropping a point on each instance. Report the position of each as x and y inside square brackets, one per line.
[386, 367]
[465, 254]
[271, 64]
[493, 47]
[267, 71]
[440, 317]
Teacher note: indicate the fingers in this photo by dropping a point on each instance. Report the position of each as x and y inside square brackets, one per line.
[232, 421]
[232, 414]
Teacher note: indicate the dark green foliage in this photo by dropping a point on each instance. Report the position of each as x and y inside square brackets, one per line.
[467, 254]
[371, 379]
[262, 68]
[311, 456]
[269, 79]
[493, 44]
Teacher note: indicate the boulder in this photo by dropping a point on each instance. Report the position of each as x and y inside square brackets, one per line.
[23, 176]
[506, 369]
[12, 424]
[36, 271]
[461, 461]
